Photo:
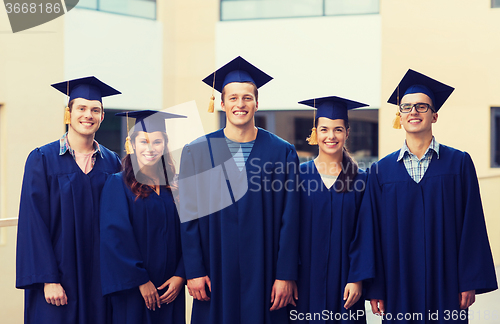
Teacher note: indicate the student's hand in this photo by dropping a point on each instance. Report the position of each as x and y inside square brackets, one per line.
[352, 293]
[55, 294]
[466, 298]
[150, 295]
[174, 288]
[284, 292]
[378, 307]
[196, 288]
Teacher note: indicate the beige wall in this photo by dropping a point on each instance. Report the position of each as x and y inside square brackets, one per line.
[189, 53]
[455, 42]
[31, 115]
[189, 56]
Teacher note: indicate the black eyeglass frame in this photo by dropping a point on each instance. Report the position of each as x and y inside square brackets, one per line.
[416, 106]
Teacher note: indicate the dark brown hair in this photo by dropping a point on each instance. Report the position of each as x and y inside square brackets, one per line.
[70, 105]
[255, 91]
[139, 188]
[345, 180]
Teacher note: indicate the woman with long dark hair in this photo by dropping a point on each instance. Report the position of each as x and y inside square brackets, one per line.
[335, 255]
[141, 260]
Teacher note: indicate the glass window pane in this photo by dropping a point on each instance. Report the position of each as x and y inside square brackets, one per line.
[139, 8]
[346, 7]
[255, 9]
[495, 137]
[495, 3]
[87, 4]
[113, 132]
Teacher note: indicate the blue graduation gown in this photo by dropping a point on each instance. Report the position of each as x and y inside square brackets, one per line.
[336, 247]
[431, 236]
[58, 235]
[140, 241]
[245, 246]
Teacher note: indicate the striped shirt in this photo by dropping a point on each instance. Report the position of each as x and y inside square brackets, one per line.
[64, 147]
[240, 151]
[416, 168]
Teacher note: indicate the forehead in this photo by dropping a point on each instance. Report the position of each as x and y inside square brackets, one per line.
[327, 122]
[152, 136]
[87, 103]
[239, 87]
[416, 97]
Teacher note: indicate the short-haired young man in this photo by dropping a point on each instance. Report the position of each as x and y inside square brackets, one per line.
[433, 254]
[239, 207]
[58, 231]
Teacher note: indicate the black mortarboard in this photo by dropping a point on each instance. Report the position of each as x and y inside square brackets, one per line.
[415, 82]
[90, 88]
[146, 121]
[238, 70]
[149, 120]
[332, 107]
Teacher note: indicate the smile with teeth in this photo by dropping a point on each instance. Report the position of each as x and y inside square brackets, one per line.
[86, 123]
[331, 144]
[240, 112]
[150, 156]
[414, 121]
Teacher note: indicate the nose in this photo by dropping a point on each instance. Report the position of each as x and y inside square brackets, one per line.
[88, 113]
[240, 103]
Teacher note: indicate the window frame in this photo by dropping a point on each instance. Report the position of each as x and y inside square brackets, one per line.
[494, 134]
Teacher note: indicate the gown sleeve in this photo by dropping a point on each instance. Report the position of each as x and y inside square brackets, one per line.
[476, 269]
[180, 270]
[35, 262]
[369, 212]
[288, 253]
[122, 265]
[190, 233]
[361, 252]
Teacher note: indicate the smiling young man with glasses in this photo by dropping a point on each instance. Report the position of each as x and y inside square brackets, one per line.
[432, 246]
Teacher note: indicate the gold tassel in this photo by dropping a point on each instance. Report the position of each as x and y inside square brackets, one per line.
[129, 149]
[67, 116]
[313, 138]
[396, 123]
[211, 104]
[128, 146]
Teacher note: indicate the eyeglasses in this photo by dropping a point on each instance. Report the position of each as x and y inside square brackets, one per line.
[420, 107]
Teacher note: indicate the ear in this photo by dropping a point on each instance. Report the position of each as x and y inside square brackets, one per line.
[222, 106]
[347, 133]
[434, 117]
[256, 105]
[102, 116]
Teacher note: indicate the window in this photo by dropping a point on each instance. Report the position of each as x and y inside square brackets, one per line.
[258, 9]
[2, 229]
[495, 3]
[113, 132]
[136, 8]
[495, 137]
[362, 142]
